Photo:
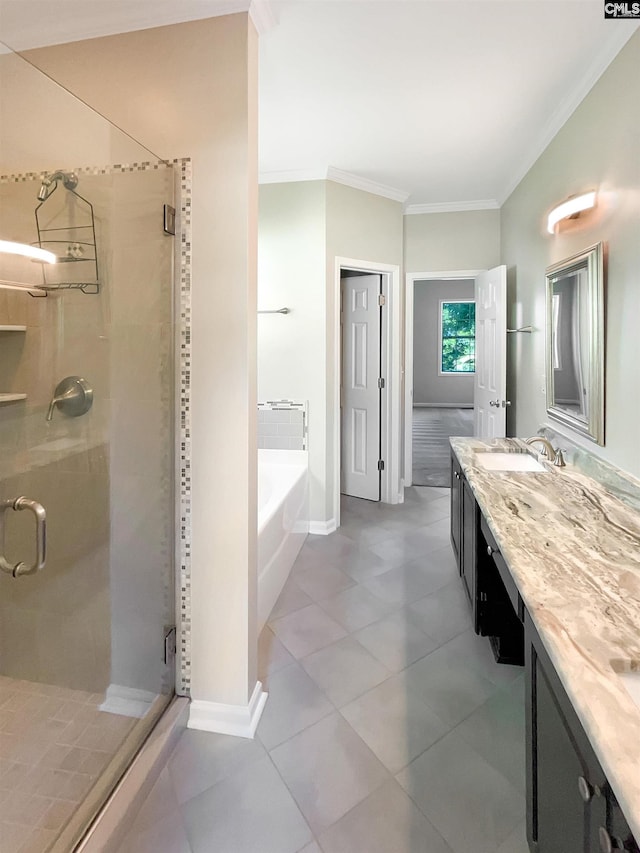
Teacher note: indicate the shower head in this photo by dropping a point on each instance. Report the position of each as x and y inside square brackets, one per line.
[69, 182]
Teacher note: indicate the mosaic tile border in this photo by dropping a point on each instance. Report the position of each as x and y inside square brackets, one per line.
[183, 644]
[143, 166]
[182, 584]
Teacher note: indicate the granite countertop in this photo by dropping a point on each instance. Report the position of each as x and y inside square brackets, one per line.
[573, 549]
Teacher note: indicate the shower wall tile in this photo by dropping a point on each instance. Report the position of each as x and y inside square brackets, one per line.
[95, 473]
[141, 431]
[61, 635]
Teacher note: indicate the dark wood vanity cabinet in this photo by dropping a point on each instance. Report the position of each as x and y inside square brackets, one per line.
[468, 544]
[484, 573]
[570, 805]
[500, 611]
[464, 528]
[456, 507]
[618, 829]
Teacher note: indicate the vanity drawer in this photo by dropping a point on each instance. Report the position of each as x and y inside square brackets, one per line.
[505, 575]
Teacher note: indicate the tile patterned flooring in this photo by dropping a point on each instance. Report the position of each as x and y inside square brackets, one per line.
[389, 727]
[54, 744]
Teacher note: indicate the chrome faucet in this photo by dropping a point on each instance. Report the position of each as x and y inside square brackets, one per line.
[548, 450]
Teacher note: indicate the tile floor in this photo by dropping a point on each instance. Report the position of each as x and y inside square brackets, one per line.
[389, 727]
[54, 744]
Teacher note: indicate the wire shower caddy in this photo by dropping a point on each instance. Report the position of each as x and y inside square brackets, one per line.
[72, 243]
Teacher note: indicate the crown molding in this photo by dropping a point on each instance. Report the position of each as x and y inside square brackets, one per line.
[452, 206]
[358, 183]
[263, 16]
[611, 47]
[290, 176]
[98, 20]
[338, 177]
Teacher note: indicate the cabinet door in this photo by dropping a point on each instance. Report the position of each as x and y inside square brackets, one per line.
[618, 828]
[468, 544]
[564, 779]
[560, 809]
[456, 508]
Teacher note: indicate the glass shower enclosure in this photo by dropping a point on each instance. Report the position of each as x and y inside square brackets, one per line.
[87, 509]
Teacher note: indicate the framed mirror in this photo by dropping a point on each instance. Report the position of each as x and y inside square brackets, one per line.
[575, 342]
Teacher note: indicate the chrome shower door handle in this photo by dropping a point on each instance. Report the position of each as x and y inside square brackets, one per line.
[40, 515]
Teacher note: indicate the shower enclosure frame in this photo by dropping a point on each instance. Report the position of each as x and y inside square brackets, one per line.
[179, 579]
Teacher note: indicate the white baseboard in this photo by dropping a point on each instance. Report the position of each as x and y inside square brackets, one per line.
[323, 528]
[239, 720]
[127, 701]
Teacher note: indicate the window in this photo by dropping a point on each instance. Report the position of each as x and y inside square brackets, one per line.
[457, 337]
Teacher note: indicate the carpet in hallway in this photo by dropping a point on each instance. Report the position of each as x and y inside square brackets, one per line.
[431, 430]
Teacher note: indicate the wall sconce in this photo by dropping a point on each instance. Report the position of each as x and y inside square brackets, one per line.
[570, 209]
[8, 247]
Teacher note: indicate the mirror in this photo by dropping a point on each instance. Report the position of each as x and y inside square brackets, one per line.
[575, 342]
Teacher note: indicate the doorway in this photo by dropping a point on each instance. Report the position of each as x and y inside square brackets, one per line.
[439, 371]
[383, 363]
[362, 384]
[489, 358]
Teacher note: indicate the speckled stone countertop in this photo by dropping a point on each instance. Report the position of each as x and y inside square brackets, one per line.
[573, 549]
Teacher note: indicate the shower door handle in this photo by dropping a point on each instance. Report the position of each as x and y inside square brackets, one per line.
[40, 515]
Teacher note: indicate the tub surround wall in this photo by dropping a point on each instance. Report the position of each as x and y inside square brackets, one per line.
[191, 89]
[282, 428]
[596, 148]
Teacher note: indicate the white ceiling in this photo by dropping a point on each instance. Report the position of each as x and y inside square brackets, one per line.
[443, 103]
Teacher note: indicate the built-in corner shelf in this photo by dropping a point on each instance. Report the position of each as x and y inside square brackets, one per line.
[12, 398]
[5, 328]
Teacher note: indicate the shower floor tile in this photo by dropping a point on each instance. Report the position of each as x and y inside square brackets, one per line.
[54, 743]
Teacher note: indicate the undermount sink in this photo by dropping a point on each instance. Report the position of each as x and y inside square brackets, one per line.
[630, 679]
[509, 462]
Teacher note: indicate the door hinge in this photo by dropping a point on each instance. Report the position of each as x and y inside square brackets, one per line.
[380, 465]
[382, 300]
[170, 635]
[169, 220]
[381, 383]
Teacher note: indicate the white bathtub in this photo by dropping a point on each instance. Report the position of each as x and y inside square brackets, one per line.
[283, 521]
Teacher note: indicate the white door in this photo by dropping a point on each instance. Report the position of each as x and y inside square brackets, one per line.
[360, 394]
[491, 354]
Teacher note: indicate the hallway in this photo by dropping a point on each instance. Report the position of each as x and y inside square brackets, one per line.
[389, 727]
[432, 427]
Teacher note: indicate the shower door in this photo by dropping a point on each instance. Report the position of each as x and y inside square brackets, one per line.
[85, 638]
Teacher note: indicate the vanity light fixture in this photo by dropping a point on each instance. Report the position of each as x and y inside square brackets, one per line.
[570, 208]
[7, 247]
